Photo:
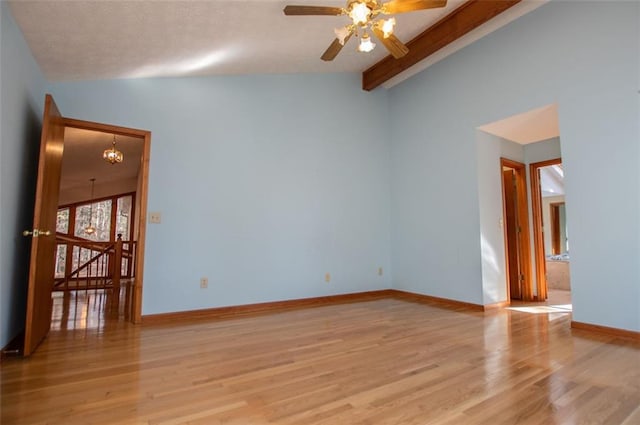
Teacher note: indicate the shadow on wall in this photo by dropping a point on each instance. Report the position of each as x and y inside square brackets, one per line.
[26, 182]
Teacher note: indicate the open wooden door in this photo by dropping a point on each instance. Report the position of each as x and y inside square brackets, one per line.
[539, 226]
[516, 217]
[511, 233]
[43, 234]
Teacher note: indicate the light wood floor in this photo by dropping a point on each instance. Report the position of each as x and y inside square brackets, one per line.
[379, 362]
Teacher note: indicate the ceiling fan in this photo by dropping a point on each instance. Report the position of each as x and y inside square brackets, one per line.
[364, 15]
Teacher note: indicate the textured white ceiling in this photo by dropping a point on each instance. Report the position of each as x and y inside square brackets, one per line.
[529, 127]
[87, 40]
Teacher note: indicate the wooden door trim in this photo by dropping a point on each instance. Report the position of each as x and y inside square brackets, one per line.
[142, 229]
[538, 237]
[505, 234]
[142, 191]
[523, 216]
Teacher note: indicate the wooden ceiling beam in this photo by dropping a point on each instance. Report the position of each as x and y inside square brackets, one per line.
[465, 18]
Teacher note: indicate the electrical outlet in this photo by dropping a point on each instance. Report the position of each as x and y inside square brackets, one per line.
[380, 271]
[327, 277]
[204, 283]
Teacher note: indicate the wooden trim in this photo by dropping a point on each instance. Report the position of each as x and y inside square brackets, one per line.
[456, 24]
[505, 235]
[132, 216]
[523, 213]
[106, 128]
[523, 218]
[261, 308]
[70, 230]
[95, 200]
[142, 192]
[506, 162]
[538, 236]
[616, 332]
[496, 306]
[556, 236]
[275, 306]
[113, 219]
[428, 299]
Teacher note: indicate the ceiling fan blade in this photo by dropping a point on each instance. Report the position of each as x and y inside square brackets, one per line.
[392, 43]
[312, 10]
[334, 48]
[401, 6]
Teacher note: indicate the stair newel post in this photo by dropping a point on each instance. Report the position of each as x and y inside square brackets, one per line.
[117, 266]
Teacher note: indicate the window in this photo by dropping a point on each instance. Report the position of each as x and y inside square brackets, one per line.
[72, 221]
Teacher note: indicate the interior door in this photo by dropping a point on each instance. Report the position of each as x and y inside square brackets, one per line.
[512, 227]
[43, 234]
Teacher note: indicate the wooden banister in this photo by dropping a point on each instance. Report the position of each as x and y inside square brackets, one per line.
[106, 250]
[103, 269]
[117, 264]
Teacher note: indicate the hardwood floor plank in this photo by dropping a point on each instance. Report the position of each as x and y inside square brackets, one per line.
[384, 361]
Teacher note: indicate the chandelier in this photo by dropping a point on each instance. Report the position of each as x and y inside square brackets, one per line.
[113, 155]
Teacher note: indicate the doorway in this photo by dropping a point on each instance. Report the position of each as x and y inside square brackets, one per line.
[117, 210]
[551, 232]
[46, 237]
[516, 230]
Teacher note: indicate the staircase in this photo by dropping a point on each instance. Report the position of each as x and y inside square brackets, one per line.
[95, 265]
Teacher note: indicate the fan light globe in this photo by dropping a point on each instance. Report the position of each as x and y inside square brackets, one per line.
[387, 26]
[359, 13]
[342, 34]
[366, 45]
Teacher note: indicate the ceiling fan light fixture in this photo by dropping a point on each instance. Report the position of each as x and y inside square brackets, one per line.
[359, 13]
[113, 155]
[342, 33]
[365, 16]
[387, 26]
[366, 45]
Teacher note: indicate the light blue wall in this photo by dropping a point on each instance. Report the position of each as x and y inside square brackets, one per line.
[542, 151]
[510, 150]
[265, 183]
[490, 149]
[22, 89]
[582, 55]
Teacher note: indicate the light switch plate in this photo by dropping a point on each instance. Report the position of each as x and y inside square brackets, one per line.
[155, 217]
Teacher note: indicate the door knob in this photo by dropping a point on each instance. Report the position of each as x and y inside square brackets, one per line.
[35, 233]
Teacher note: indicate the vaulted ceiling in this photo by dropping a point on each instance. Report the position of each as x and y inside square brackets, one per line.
[90, 40]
